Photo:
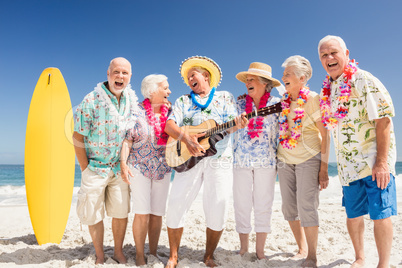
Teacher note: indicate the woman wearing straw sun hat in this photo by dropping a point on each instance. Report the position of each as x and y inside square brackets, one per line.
[202, 75]
[254, 166]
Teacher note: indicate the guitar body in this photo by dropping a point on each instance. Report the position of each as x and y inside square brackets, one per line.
[179, 158]
[177, 155]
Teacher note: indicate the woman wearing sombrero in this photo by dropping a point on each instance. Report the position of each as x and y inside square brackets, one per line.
[202, 75]
[302, 157]
[254, 166]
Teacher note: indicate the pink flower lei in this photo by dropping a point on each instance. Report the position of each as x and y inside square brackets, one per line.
[255, 124]
[159, 130]
[284, 139]
[328, 119]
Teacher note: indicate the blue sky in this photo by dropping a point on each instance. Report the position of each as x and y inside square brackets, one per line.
[81, 37]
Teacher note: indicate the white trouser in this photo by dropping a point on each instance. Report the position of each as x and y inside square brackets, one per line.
[149, 196]
[253, 188]
[216, 176]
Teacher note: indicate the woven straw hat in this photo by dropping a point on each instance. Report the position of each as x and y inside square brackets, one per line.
[258, 69]
[203, 62]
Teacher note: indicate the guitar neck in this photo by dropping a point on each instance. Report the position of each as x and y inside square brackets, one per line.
[261, 112]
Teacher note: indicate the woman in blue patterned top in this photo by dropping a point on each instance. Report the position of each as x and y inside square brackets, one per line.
[254, 169]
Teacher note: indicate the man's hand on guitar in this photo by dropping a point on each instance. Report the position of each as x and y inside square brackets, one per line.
[191, 141]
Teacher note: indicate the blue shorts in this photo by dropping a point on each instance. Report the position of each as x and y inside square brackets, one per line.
[363, 196]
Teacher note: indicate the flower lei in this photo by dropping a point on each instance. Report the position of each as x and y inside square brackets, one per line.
[255, 124]
[284, 139]
[328, 119]
[160, 134]
[203, 106]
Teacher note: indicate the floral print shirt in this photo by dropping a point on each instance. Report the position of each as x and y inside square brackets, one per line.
[103, 123]
[222, 109]
[145, 155]
[259, 152]
[355, 136]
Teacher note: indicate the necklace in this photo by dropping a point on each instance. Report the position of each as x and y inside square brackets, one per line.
[284, 139]
[203, 106]
[255, 124]
[160, 134]
[331, 120]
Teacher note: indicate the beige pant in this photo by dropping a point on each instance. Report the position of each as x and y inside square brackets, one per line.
[98, 193]
[300, 191]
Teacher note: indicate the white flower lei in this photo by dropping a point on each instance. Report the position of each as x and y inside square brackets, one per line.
[130, 107]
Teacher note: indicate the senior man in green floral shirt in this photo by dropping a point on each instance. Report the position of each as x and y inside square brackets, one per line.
[101, 122]
[358, 109]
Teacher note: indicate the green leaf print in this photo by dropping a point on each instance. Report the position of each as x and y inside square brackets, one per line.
[188, 121]
[207, 111]
[367, 135]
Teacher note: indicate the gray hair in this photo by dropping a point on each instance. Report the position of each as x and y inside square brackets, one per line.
[150, 83]
[332, 37]
[269, 84]
[202, 70]
[302, 66]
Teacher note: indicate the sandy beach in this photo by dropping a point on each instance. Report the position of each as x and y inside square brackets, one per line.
[18, 246]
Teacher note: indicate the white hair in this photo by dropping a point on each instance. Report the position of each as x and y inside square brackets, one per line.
[118, 59]
[301, 66]
[332, 37]
[150, 83]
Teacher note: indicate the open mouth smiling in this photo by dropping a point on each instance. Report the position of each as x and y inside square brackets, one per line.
[118, 84]
[332, 64]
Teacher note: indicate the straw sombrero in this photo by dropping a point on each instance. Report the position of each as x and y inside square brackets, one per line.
[203, 62]
[258, 69]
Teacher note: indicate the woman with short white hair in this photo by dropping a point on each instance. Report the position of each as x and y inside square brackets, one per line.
[302, 157]
[143, 164]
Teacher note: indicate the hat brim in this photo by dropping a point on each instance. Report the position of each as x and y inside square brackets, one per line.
[213, 69]
[242, 77]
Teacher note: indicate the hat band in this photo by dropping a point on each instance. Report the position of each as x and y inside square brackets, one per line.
[260, 71]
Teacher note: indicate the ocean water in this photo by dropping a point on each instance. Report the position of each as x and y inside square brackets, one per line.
[12, 182]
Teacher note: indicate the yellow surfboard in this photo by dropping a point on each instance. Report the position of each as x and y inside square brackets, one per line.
[49, 157]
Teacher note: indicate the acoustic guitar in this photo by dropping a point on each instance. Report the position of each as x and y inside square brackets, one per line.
[179, 158]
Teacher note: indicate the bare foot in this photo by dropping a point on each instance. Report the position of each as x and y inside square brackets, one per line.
[140, 260]
[261, 256]
[358, 263]
[300, 255]
[99, 260]
[210, 263]
[119, 258]
[242, 252]
[309, 263]
[171, 263]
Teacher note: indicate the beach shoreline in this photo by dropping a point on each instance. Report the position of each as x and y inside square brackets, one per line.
[18, 246]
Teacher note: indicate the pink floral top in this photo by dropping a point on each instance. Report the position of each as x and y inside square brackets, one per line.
[145, 155]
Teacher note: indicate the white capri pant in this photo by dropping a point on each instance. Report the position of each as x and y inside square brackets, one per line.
[149, 196]
[253, 188]
[216, 176]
